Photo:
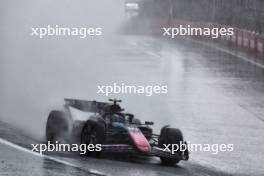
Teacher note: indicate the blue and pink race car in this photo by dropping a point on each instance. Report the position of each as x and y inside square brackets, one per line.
[106, 123]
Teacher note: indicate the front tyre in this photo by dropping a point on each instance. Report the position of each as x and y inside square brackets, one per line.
[93, 133]
[170, 136]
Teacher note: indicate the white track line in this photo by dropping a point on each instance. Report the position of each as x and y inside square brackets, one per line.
[229, 52]
[151, 53]
[144, 49]
[15, 146]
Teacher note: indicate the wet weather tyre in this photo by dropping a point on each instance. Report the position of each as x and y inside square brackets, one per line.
[56, 126]
[93, 133]
[170, 136]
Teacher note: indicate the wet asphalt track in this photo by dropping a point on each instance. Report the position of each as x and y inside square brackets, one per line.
[213, 97]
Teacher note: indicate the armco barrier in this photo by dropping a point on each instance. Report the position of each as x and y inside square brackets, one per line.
[252, 43]
[234, 38]
[260, 46]
[248, 41]
[239, 38]
[245, 42]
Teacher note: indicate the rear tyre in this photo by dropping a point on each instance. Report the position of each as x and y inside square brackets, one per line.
[170, 136]
[57, 126]
[93, 133]
[76, 131]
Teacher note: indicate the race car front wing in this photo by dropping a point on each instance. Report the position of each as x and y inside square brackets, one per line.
[155, 151]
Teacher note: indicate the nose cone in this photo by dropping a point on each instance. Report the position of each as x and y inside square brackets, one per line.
[139, 140]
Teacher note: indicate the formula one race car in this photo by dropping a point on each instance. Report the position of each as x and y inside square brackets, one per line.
[92, 122]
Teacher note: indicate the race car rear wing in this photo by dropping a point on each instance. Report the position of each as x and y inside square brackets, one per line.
[87, 106]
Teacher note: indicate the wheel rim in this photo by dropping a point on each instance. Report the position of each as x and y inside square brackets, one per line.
[89, 135]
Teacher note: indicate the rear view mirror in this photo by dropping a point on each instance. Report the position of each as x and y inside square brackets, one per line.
[149, 123]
